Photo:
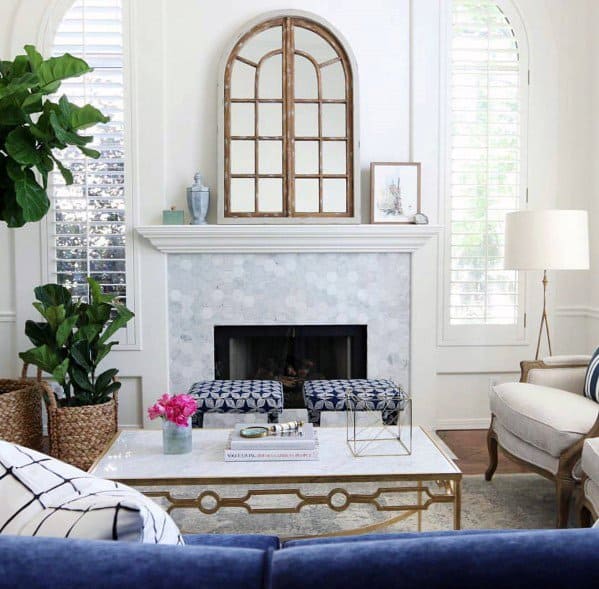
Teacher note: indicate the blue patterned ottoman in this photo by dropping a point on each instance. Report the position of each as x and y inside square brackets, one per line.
[237, 396]
[330, 395]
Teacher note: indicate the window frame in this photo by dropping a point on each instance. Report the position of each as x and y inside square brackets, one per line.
[130, 338]
[353, 214]
[479, 334]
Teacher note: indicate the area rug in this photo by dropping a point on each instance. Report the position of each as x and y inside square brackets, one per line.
[509, 501]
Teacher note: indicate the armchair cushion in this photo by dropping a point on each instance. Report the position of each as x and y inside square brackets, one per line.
[590, 459]
[591, 380]
[567, 378]
[547, 418]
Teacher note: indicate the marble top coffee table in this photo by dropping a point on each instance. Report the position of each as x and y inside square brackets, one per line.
[404, 485]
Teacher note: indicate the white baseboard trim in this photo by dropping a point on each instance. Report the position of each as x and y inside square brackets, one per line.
[466, 423]
[579, 311]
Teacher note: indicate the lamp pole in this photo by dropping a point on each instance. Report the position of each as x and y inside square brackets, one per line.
[544, 319]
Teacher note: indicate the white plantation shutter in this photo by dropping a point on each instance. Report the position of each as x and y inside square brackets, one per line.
[89, 237]
[486, 155]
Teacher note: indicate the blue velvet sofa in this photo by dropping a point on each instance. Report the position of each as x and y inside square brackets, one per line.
[465, 560]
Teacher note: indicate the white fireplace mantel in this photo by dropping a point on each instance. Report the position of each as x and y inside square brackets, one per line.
[203, 239]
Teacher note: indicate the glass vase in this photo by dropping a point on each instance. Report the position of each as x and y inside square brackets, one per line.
[176, 439]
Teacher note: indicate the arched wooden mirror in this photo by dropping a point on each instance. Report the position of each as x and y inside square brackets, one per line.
[288, 123]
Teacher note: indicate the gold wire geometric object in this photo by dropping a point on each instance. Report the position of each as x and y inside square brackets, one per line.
[368, 433]
[544, 319]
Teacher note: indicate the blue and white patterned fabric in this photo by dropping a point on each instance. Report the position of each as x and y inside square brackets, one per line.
[331, 395]
[591, 380]
[237, 396]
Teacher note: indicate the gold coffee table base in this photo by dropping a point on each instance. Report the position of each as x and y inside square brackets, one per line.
[428, 491]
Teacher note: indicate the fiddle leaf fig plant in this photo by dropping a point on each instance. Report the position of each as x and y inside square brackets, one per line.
[74, 339]
[33, 128]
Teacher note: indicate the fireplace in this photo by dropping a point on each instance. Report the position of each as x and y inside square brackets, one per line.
[290, 354]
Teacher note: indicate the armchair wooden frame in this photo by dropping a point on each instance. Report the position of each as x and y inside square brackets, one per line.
[565, 483]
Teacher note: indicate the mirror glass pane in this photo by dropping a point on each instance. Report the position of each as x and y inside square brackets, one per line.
[242, 195]
[260, 44]
[333, 195]
[306, 84]
[306, 195]
[270, 157]
[306, 157]
[270, 195]
[242, 80]
[315, 45]
[306, 120]
[333, 120]
[242, 157]
[242, 119]
[270, 81]
[333, 81]
[333, 157]
[270, 119]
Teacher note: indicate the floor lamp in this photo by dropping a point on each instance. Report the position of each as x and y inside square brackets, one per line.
[546, 240]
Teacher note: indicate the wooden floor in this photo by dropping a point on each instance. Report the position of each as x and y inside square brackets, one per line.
[470, 446]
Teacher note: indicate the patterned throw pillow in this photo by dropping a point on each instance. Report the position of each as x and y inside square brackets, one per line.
[591, 380]
[42, 496]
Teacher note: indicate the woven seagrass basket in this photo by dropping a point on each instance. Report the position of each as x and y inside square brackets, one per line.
[79, 435]
[21, 410]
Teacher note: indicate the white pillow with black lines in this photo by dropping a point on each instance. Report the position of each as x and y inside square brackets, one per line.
[42, 496]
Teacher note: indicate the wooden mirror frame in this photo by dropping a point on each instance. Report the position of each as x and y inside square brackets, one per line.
[287, 20]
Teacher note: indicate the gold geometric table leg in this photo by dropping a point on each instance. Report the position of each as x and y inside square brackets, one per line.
[457, 505]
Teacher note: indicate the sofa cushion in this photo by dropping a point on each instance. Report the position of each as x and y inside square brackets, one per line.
[255, 541]
[554, 558]
[550, 419]
[42, 496]
[590, 459]
[591, 380]
[48, 563]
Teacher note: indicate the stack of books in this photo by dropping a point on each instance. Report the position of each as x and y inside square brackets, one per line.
[298, 445]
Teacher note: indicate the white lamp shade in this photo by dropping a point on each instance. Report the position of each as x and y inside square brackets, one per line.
[547, 240]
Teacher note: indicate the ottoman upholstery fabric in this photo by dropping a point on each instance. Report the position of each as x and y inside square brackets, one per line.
[330, 395]
[237, 396]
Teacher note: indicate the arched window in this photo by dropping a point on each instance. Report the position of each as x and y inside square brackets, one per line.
[89, 237]
[488, 83]
[288, 123]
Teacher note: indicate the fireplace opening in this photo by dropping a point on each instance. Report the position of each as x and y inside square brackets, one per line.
[290, 354]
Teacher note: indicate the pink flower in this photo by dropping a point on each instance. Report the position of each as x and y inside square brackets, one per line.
[175, 408]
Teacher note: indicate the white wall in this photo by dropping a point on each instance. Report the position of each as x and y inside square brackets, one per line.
[176, 48]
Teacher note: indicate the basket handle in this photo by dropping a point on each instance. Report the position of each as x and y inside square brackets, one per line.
[25, 369]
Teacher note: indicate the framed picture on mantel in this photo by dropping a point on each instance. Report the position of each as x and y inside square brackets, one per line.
[394, 192]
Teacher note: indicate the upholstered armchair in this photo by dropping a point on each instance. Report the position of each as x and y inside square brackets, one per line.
[542, 422]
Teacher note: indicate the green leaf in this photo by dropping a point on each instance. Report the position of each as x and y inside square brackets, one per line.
[39, 333]
[102, 350]
[60, 68]
[35, 58]
[80, 352]
[66, 173]
[93, 153]
[55, 316]
[60, 372]
[105, 379]
[109, 391]
[53, 295]
[21, 146]
[97, 296]
[123, 316]
[32, 198]
[81, 378]
[85, 116]
[10, 210]
[90, 332]
[65, 329]
[44, 357]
